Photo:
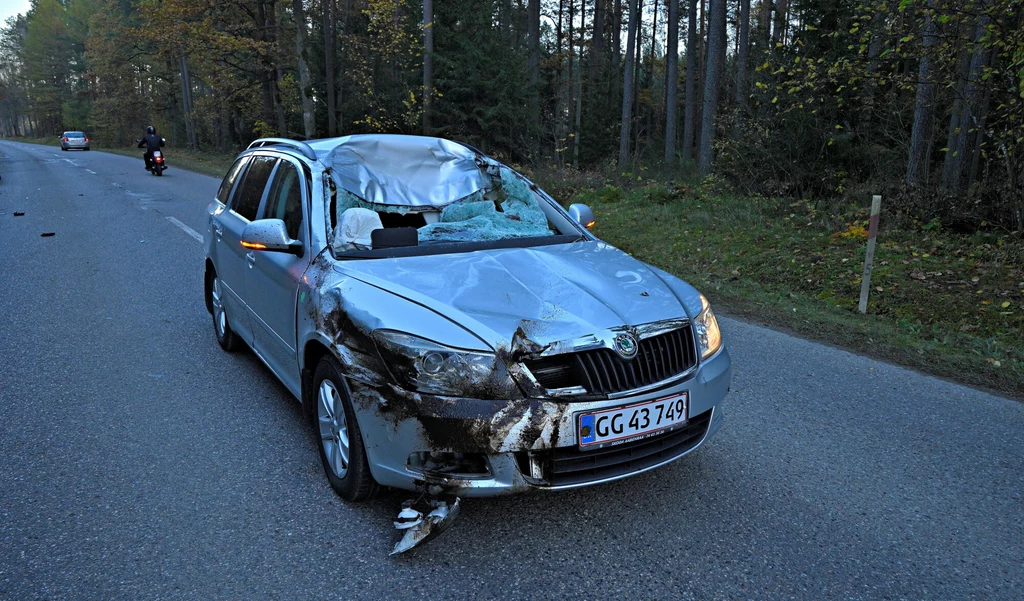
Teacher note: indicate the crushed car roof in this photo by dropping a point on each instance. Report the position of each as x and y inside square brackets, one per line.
[403, 171]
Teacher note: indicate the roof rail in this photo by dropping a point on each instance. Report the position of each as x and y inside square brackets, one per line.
[302, 147]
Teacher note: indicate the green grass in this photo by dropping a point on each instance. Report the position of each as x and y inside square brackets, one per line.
[951, 305]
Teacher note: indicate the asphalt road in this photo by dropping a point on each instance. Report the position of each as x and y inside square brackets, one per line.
[139, 461]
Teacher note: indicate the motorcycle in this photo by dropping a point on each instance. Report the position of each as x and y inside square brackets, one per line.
[157, 165]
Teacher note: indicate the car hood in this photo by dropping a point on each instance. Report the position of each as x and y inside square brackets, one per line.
[548, 294]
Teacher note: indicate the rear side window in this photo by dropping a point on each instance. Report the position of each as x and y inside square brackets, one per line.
[246, 201]
[285, 199]
[229, 180]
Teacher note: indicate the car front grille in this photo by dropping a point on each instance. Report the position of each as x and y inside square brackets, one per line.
[603, 371]
[570, 466]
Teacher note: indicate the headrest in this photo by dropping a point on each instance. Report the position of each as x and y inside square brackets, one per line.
[355, 229]
[395, 237]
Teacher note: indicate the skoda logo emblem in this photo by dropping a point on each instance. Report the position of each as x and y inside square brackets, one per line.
[625, 345]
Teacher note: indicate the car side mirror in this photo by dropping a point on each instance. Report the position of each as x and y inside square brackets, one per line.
[582, 214]
[270, 235]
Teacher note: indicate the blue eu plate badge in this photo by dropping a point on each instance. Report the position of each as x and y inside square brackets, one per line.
[587, 435]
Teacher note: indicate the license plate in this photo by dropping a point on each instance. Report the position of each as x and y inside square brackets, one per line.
[634, 422]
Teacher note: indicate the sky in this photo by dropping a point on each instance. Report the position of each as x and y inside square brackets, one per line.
[9, 8]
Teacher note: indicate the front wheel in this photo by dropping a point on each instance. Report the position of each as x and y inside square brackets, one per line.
[226, 337]
[341, 443]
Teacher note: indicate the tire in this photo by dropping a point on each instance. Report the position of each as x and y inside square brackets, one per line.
[341, 443]
[158, 171]
[226, 337]
[87, 150]
[64, 149]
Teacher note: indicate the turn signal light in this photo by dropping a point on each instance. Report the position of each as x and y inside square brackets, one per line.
[590, 225]
[254, 245]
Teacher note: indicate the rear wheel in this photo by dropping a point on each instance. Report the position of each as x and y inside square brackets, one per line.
[226, 337]
[158, 171]
[341, 443]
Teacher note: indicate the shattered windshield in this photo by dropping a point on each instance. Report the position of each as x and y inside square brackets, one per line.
[479, 218]
[508, 209]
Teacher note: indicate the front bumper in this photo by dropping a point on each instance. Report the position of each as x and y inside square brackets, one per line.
[521, 440]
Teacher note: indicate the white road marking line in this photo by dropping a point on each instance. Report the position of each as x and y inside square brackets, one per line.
[91, 171]
[186, 229]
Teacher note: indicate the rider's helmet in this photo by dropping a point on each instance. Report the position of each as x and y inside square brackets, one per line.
[150, 130]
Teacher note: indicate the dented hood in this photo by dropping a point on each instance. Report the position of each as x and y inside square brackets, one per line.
[554, 293]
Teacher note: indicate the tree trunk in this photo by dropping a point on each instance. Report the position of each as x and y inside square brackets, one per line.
[627, 87]
[273, 26]
[571, 84]
[176, 121]
[596, 62]
[979, 139]
[339, 98]
[765, 23]
[332, 115]
[428, 64]
[689, 110]
[596, 65]
[716, 59]
[577, 129]
[616, 38]
[671, 82]
[308, 122]
[651, 110]
[743, 43]
[186, 104]
[533, 64]
[781, 6]
[954, 169]
[638, 59]
[924, 107]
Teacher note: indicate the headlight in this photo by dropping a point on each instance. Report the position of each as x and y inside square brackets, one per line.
[709, 337]
[425, 366]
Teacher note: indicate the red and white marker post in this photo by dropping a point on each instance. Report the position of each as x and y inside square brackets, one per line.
[865, 286]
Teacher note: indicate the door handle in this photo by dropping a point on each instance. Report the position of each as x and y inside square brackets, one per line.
[218, 230]
[250, 257]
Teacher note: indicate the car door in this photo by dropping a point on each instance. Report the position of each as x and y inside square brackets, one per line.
[272, 279]
[231, 261]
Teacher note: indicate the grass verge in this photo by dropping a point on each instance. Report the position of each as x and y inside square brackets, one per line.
[947, 304]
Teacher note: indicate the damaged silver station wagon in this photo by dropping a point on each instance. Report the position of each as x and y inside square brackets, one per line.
[448, 327]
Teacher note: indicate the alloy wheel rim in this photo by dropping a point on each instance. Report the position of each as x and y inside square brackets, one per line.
[333, 428]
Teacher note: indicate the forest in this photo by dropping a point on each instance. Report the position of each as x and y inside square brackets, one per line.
[919, 100]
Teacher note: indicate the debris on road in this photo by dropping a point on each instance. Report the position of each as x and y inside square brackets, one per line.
[47, 234]
[420, 528]
[19, 213]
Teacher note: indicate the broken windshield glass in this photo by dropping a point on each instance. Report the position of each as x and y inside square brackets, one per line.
[506, 208]
[480, 218]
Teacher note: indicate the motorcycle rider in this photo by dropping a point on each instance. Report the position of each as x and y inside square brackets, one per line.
[151, 142]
